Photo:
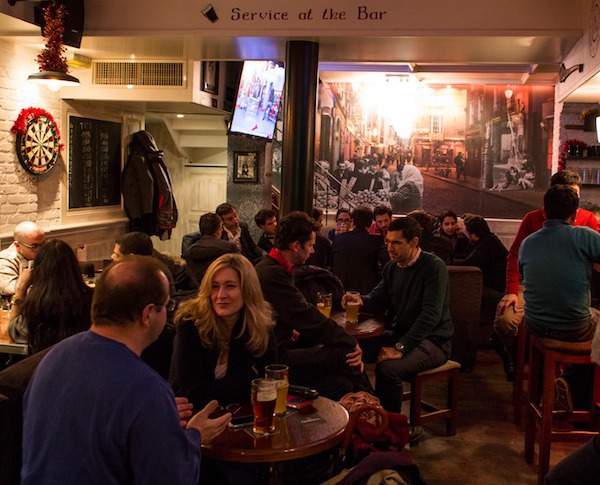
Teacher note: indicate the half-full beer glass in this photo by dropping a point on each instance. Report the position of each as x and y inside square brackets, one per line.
[263, 396]
[352, 306]
[280, 373]
[324, 302]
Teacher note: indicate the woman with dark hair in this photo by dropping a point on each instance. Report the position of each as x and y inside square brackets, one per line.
[223, 338]
[450, 229]
[51, 301]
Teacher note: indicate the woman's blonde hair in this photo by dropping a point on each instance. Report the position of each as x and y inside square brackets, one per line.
[257, 313]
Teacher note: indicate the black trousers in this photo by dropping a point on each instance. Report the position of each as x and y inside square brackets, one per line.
[324, 368]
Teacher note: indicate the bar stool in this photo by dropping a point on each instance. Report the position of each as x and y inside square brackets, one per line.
[450, 372]
[544, 357]
[521, 375]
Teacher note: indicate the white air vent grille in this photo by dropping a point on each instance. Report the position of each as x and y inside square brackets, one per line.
[139, 73]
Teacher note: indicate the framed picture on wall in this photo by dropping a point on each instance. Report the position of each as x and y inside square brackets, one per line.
[210, 77]
[245, 167]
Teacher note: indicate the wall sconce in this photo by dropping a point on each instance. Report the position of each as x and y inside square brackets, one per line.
[508, 93]
[564, 73]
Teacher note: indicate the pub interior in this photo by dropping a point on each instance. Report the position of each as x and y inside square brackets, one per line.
[261, 107]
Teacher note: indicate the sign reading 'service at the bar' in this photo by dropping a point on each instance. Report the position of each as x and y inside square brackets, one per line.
[361, 12]
[328, 17]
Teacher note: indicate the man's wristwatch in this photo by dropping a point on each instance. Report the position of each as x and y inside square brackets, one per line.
[400, 348]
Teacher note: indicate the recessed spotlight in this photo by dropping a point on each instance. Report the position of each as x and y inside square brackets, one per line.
[180, 116]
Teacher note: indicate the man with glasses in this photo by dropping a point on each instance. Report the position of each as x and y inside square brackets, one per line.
[95, 413]
[28, 238]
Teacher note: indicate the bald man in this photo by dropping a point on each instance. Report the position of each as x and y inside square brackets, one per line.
[28, 238]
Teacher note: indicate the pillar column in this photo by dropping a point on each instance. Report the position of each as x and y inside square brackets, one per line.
[300, 103]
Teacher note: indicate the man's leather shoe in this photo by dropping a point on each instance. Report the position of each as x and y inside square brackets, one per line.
[414, 433]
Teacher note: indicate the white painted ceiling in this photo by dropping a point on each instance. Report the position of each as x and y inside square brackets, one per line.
[473, 59]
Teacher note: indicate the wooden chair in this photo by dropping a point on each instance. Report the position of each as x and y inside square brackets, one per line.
[450, 372]
[545, 355]
[465, 290]
[522, 373]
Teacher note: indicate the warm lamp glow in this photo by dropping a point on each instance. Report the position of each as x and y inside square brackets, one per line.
[53, 80]
[508, 93]
[598, 128]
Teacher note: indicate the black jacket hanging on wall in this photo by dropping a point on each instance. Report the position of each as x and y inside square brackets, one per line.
[147, 190]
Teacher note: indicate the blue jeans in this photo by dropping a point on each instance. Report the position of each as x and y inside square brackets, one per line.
[389, 374]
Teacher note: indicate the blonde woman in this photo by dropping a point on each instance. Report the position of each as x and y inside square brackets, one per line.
[223, 338]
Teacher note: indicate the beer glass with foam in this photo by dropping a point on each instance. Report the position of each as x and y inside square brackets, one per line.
[263, 395]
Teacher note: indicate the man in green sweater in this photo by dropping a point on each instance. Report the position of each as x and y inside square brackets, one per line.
[414, 293]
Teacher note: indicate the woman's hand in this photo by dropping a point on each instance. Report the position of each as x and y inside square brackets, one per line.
[23, 283]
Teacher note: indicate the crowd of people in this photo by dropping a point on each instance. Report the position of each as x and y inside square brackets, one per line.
[161, 341]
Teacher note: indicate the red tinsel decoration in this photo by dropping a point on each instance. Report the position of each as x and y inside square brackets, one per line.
[564, 151]
[51, 58]
[26, 114]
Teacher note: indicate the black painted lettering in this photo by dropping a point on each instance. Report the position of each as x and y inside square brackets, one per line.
[238, 14]
[364, 14]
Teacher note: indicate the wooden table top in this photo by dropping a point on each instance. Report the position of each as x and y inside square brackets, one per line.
[296, 436]
[8, 345]
[368, 325]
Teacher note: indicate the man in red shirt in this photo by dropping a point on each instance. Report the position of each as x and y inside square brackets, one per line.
[382, 217]
[509, 312]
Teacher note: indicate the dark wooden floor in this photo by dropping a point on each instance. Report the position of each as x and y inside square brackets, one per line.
[488, 447]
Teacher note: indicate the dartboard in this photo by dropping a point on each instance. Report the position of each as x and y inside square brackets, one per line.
[38, 147]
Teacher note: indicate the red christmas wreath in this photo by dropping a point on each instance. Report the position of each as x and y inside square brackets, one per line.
[26, 114]
[562, 157]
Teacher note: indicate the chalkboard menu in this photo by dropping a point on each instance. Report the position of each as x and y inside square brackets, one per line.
[94, 163]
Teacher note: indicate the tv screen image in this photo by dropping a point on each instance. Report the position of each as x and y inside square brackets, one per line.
[258, 99]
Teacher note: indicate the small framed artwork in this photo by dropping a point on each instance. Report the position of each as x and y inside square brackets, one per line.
[245, 167]
[210, 77]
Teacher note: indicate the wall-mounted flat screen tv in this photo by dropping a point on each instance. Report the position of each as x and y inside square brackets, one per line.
[258, 99]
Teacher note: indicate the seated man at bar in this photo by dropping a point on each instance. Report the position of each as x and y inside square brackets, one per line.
[358, 256]
[266, 219]
[509, 312]
[382, 217]
[321, 355]
[238, 232]
[139, 243]
[556, 265]
[15, 258]
[95, 413]
[209, 247]
[414, 291]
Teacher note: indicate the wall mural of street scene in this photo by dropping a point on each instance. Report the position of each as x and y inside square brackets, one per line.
[483, 149]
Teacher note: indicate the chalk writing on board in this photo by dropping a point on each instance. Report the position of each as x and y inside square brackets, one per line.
[94, 162]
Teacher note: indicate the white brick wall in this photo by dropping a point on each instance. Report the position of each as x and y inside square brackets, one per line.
[24, 196]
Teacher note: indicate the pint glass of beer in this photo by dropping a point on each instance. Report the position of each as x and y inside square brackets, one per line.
[352, 306]
[263, 396]
[279, 372]
[324, 302]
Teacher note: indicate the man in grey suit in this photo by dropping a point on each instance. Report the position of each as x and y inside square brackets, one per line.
[238, 233]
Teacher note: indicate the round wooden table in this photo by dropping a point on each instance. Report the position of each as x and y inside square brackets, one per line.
[368, 325]
[297, 436]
